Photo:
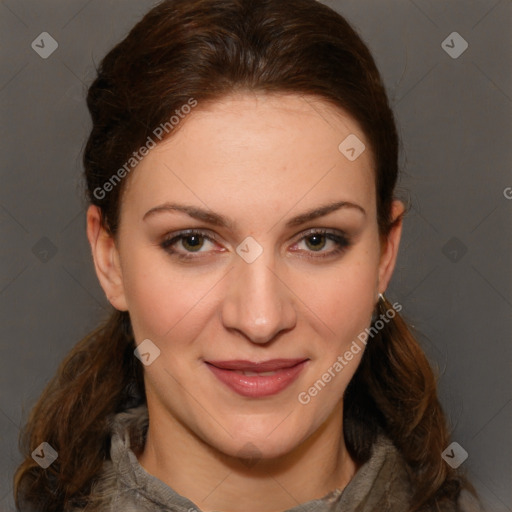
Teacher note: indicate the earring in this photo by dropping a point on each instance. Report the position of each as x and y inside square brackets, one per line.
[375, 313]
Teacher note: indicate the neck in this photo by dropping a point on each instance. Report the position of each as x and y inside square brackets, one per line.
[215, 481]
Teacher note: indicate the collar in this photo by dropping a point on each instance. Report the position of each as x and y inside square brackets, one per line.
[380, 484]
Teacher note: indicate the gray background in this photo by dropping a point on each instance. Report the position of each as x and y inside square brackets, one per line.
[453, 275]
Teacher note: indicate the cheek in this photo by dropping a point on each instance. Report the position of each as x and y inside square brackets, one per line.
[342, 297]
[162, 299]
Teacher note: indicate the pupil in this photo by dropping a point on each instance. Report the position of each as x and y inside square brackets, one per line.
[196, 241]
[320, 239]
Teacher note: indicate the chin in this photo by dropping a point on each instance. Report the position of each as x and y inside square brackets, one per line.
[260, 440]
[253, 449]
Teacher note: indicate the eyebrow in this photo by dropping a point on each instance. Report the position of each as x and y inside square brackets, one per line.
[221, 221]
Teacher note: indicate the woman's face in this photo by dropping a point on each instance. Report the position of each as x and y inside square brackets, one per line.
[267, 269]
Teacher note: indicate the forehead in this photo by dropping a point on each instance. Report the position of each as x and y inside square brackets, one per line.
[253, 150]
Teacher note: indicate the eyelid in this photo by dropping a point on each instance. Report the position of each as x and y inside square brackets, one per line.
[341, 240]
[339, 237]
[213, 236]
[313, 231]
[171, 238]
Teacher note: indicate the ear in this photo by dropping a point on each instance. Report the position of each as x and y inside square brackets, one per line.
[106, 259]
[389, 246]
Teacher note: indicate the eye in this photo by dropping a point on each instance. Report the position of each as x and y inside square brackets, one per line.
[185, 243]
[316, 240]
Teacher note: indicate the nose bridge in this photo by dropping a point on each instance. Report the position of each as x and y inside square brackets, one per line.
[257, 303]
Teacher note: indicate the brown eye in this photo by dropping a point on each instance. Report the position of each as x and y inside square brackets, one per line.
[186, 243]
[316, 241]
[192, 242]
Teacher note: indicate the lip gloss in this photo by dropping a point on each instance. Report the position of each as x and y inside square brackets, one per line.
[256, 384]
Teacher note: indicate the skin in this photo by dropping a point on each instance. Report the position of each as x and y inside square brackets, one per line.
[258, 160]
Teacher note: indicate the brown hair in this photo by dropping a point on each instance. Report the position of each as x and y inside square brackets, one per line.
[206, 49]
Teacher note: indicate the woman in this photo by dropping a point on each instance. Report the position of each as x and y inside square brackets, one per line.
[240, 172]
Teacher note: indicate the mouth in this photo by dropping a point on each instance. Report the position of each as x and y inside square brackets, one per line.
[257, 379]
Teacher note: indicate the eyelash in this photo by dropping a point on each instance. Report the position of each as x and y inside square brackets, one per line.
[341, 240]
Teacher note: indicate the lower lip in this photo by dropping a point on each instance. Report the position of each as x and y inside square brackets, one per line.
[258, 386]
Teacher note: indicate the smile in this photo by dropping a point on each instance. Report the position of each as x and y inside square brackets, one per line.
[257, 379]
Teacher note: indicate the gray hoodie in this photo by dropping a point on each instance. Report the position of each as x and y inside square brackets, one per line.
[380, 485]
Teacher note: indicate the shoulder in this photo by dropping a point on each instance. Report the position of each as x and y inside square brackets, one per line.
[468, 502]
[381, 483]
[114, 488]
[108, 494]
[384, 483]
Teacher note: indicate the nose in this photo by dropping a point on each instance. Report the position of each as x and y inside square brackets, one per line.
[258, 304]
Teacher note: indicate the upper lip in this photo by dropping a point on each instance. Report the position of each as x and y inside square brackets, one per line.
[261, 366]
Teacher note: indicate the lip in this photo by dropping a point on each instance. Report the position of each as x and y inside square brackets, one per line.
[285, 372]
